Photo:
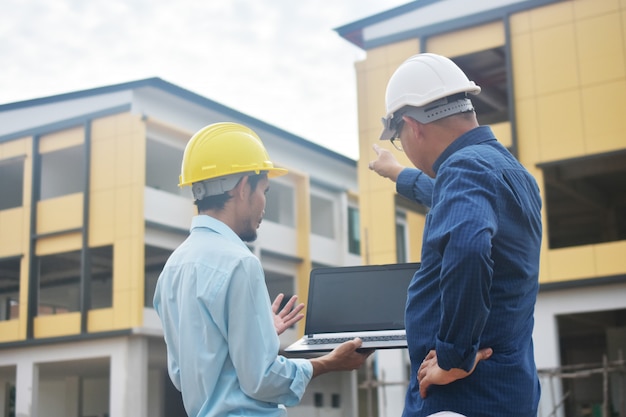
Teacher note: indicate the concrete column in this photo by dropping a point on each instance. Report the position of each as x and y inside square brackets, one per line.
[3, 396]
[129, 379]
[27, 391]
[391, 369]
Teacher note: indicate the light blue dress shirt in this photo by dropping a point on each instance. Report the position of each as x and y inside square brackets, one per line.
[222, 346]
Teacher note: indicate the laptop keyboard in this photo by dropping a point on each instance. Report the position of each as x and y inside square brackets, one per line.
[323, 341]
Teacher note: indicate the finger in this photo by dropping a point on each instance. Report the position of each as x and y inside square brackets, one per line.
[423, 388]
[485, 353]
[289, 306]
[376, 149]
[277, 301]
[293, 320]
[294, 312]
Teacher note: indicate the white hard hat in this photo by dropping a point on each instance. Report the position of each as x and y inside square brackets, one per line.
[426, 79]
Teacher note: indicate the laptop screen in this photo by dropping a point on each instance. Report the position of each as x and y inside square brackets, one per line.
[359, 298]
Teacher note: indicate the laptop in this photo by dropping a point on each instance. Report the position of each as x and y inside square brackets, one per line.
[366, 301]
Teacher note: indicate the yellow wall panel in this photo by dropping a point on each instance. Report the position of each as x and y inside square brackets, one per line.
[600, 60]
[104, 128]
[519, 23]
[400, 52]
[415, 222]
[58, 244]
[124, 161]
[555, 59]
[123, 212]
[376, 58]
[560, 126]
[100, 320]
[138, 151]
[60, 213]
[551, 15]
[102, 217]
[376, 85]
[13, 240]
[62, 139]
[137, 228]
[103, 154]
[609, 258]
[57, 325]
[603, 117]
[587, 8]
[380, 234]
[527, 132]
[503, 133]
[571, 263]
[122, 309]
[523, 66]
[122, 269]
[16, 147]
[474, 39]
[9, 331]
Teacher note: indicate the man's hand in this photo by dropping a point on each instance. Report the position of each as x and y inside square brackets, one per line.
[289, 315]
[345, 357]
[430, 373]
[386, 165]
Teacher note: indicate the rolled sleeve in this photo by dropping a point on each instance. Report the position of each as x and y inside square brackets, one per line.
[413, 184]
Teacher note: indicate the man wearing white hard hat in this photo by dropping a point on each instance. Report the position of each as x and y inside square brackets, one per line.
[469, 313]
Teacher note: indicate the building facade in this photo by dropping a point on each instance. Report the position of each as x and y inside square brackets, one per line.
[89, 212]
[553, 78]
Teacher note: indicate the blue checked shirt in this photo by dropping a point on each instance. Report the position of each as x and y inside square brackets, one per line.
[478, 281]
[222, 347]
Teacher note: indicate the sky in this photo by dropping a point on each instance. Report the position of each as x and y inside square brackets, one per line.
[280, 61]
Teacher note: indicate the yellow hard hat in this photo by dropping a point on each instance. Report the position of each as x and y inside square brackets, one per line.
[220, 150]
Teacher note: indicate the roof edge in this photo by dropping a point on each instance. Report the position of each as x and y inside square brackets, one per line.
[159, 83]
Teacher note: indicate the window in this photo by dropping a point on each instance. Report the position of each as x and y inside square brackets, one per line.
[59, 283]
[354, 231]
[487, 69]
[401, 238]
[9, 288]
[60, 280]
[279, 283]
[163, 164]
[101, 261]
[322, 217]
[279, 207]
[154, 262]
[585, 200]
[62, 172]
[11, 183]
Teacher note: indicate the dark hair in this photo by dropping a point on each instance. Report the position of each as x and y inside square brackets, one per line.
[217, 202]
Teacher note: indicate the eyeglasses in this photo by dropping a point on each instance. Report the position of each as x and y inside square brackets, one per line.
[395, 141]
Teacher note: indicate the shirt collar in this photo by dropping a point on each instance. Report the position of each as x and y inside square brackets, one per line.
[202, 221]
[475, 136]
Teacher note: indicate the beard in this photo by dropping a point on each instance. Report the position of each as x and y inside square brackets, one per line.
[249, 234]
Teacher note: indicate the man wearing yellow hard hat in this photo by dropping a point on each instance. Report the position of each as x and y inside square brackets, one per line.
[220, 328]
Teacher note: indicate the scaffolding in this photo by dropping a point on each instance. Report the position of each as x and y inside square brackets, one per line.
[613, 375]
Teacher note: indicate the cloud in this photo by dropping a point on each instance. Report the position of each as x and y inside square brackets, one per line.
[279, 61]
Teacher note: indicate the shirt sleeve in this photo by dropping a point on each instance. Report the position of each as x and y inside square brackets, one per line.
[463, 225]
[254, 344]
[413, 184]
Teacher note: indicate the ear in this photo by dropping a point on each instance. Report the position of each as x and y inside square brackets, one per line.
[240, 189]
[412, 124]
